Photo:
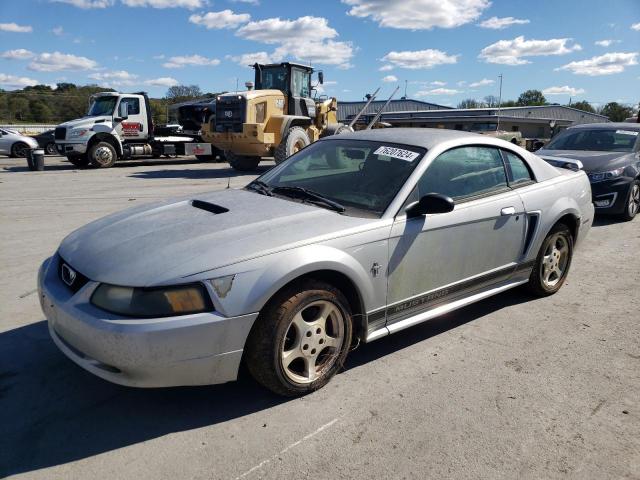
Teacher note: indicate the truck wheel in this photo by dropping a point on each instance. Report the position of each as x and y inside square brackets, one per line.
[80, 161]
[553, 262]
[294, 140]
[102, 155]
[300, 339]
[242, 163]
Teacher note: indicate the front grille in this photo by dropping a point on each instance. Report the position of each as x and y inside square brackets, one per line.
[231, 113]
[60, 133]
[68, 275]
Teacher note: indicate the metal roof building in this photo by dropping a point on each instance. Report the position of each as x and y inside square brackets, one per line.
[532, 122]
[348, 110]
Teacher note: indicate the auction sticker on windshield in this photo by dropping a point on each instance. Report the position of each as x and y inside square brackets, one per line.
[627, 132]
[394, 152]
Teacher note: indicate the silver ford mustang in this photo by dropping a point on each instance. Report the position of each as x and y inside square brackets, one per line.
[353, 238]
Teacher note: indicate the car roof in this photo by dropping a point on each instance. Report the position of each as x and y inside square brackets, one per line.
[608, 126]
[419, 137]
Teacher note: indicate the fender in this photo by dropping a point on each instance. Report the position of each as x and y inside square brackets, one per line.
[293, 121]
[263, 277]
[105, 133]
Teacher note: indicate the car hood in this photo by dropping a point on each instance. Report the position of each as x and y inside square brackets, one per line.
[164, 242]
[592, 161]
[86, 122]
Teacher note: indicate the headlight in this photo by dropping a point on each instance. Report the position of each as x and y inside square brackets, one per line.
[601, 176]
[152, 302]
[77, 133]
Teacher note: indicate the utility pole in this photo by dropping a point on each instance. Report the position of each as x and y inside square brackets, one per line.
[405, 88]
[499, 102]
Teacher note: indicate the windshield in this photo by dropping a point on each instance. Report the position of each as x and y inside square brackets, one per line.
[359, 175]
[600, 140]
[275, 78]
[102, 106]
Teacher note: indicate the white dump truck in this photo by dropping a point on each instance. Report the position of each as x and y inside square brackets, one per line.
[119, 126]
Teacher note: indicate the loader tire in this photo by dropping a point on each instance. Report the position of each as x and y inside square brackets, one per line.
[294, 141]
[242, 163]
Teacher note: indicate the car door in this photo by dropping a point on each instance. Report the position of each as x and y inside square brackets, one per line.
[134, 127]
[5, 143]
[438, 258]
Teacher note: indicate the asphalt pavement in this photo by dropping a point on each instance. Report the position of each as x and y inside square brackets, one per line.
[511, 387]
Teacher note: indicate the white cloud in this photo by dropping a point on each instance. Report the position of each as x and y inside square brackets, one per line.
[636, 27]
[307, 39]
[606, 64]
[276, 30]
[605, 43]
[565, 90]
[58, 30]
[18, 54]
[219, 20]
[117, 78]
[510, 52]
[15, 28]
[190, 4]
[437, 91]
[248, 59]
[56, 61]
[250, 2]
[191, 61]
[496, 23]
[482, 83]
[162, 82]
[87, 4]
[419, 59]
[11, 81]
[386, 68]
[390, 79]
[155, 57]
[437, 83]
[418, 14]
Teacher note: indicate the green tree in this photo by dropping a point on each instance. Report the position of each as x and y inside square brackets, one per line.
[531, 98]
[584, 106]
[182, 93]
[616, 112]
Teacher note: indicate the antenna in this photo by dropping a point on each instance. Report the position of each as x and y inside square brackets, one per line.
[379, 112]
[228, 183]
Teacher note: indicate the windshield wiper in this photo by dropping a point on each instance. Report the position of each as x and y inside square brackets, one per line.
[260, 187]
[311, 196]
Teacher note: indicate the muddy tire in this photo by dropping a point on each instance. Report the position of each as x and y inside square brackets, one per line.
[102, 155]
[300, 340]
[242, 163]
[553, 262]
[294, 141]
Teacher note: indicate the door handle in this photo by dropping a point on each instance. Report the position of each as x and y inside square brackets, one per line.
[508, 211]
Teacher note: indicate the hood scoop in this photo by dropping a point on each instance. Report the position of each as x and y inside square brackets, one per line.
[209, 207]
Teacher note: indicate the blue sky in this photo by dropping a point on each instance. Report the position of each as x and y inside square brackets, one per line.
[447, 50]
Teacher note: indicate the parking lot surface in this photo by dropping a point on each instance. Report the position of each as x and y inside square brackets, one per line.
[512, 387]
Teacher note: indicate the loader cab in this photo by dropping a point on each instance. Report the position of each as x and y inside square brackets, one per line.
[293, 80]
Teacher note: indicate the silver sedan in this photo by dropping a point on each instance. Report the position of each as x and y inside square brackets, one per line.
[15, 144]
[355, 237]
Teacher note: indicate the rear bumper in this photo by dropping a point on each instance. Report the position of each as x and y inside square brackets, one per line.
[610, 196]
[199, 349]
[71, 148]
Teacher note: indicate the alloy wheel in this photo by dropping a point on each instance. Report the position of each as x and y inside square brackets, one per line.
[555, 261]
[634, 200]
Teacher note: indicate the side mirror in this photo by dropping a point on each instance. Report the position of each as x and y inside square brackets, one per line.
[430, 203]
[321, 77]
[123, 111]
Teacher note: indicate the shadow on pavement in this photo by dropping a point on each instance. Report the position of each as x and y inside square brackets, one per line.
[606, 220]
[53, 412]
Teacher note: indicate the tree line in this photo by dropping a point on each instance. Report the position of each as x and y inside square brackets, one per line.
[615, 111]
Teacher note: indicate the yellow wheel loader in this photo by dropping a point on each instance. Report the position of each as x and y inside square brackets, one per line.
[277, 118]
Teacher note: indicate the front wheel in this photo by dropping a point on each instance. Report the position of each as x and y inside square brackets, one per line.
[102, 155]
[19, 149]
[50, 149]
[301, 339]
[553, 262]
[632, 207]
[293, 141]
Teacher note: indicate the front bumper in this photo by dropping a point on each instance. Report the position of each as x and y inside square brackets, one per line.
[198, 349]
[610, 196]
[252, 141]
[71, 148]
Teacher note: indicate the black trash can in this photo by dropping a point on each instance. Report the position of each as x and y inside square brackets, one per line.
[30, 159]
[37, 156]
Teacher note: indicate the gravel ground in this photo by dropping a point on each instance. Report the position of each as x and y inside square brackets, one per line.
[512, 387]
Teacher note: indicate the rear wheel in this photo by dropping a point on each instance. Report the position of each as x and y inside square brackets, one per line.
[19, 149]
[294, 141]
[632, 206]
[242, 163]
[102, 155]
[80, 161]
[301, 339]
[553, 262]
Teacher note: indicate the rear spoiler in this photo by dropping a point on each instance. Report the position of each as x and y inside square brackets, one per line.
[561, 162]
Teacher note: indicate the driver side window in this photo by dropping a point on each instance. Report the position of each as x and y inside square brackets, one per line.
[465, 172]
